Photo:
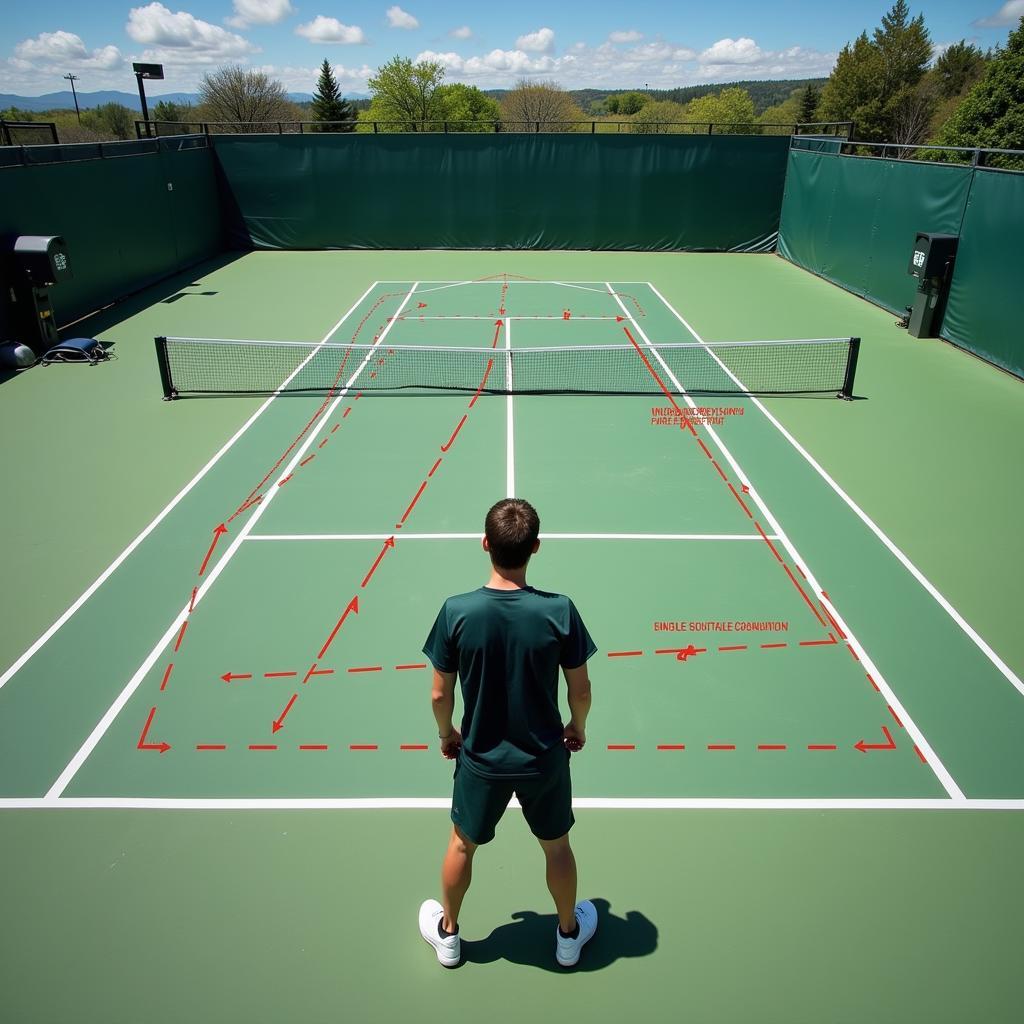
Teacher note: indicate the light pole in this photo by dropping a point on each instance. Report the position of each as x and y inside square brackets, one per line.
[146, 71]
[72, 79]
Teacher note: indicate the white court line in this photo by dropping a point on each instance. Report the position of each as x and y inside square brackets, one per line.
[1005, 669]
[413, 317]
[132, 685]
[110, 569]
[934, 763]
[478, 536]
[444, 803]
[510, 444]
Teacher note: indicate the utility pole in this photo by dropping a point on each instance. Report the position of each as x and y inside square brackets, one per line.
[72, 79]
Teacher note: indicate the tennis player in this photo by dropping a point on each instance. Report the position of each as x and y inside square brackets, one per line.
[506, 642]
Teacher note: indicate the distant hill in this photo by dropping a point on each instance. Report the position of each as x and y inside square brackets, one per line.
[87, 100]
[764, 94]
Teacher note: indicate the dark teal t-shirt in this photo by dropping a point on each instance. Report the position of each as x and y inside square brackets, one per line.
[507, 647]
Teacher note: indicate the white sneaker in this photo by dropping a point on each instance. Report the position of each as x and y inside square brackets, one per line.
[449, 950]
[567, 951]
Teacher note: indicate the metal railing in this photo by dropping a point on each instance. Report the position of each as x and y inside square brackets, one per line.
[75, 152]
[974, 156]
[28, 133]
[160, 129]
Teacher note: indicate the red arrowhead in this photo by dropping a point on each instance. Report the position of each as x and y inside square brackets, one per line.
[221, 529]
[277, 725]
[745, 489]
[619, 319]
[389, 543]
[861, 746]
[353, 605]
[421, 305]
[226, 677]
[164, 747]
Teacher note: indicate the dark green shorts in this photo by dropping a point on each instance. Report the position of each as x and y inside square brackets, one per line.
[478, 802]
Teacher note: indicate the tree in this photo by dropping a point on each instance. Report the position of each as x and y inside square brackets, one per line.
[237, 96]
[540, 106]
[809, 98]
[992, 113]
[629, 103]
[329, 104]
[406, 93]
[168, 110]
[873, 78]
[659, 117]
[110, 119]
[959, 66]
[466, 109]
[731, 109]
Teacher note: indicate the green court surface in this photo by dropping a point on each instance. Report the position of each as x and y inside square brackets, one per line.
[808, 716]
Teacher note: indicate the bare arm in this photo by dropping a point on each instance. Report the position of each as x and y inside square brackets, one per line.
[442, 697]
[578, 681]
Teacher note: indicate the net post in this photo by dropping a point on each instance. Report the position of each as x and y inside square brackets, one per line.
[851, 370]
[165, 370]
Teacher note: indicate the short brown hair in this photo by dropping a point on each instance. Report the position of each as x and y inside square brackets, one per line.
[512, 527]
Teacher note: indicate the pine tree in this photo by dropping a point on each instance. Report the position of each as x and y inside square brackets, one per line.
[329, 105]
[808, 104]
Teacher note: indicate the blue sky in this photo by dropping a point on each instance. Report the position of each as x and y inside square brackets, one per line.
[576, 43]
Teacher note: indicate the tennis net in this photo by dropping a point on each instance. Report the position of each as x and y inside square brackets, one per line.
[209, 366]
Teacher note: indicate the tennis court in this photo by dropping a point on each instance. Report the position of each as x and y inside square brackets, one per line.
[765, 645]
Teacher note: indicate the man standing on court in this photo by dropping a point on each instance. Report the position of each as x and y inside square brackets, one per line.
[506, 642]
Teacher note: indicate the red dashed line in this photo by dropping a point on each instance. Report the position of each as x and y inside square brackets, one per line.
[362, 746]
[167, 675]
[192, 601]
[483, 383]
[719, 468]
[803, 594]
[323, 442]
[402, 668]
[768, 647]
[771, 746]
[670, 650]
[263, 746]
[414, 746]
[799, 570]
[284, 480]
[764, 537]
[455, 433]
[625, 654]
[736, 647]
[309, 674]
[368, 668]
[838, 628]
[671, 746]
[335, 427]
[359, 395]
[818, 643]
[307, 459]
[348, 409]
[822, 746]
[872, 682]
[181, 635]
[433, 469]
[705, 449]
[740, 500]
[313, 746]
[622, 746]
[211, 746]
[853, 653]
[278, 675]
[721, 746]
[373, 375]
[919, 754]
[412, 504]
[320, 672]
[896, 717]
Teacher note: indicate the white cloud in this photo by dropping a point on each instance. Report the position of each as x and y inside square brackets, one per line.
[260, 12]
[330, 30]
[732, 51]
[397, 18]
[496, 63]
[60, 48]
[303, 79]
[181, 38]
[540, 41]
[1008, 14]
[463, 32]
[626, 36]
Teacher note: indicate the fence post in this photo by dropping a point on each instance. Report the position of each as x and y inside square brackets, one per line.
[593, 127]
[5, 134]
[497, 127]
[710, 127]
[374, 127]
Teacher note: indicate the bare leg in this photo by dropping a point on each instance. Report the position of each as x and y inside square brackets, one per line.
[456, 874]
[561, 877]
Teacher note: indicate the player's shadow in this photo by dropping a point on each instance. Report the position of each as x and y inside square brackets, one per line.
[530, 940]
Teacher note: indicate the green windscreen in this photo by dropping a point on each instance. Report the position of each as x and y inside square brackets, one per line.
[853, 220]
[495, 191]
[983, 313]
